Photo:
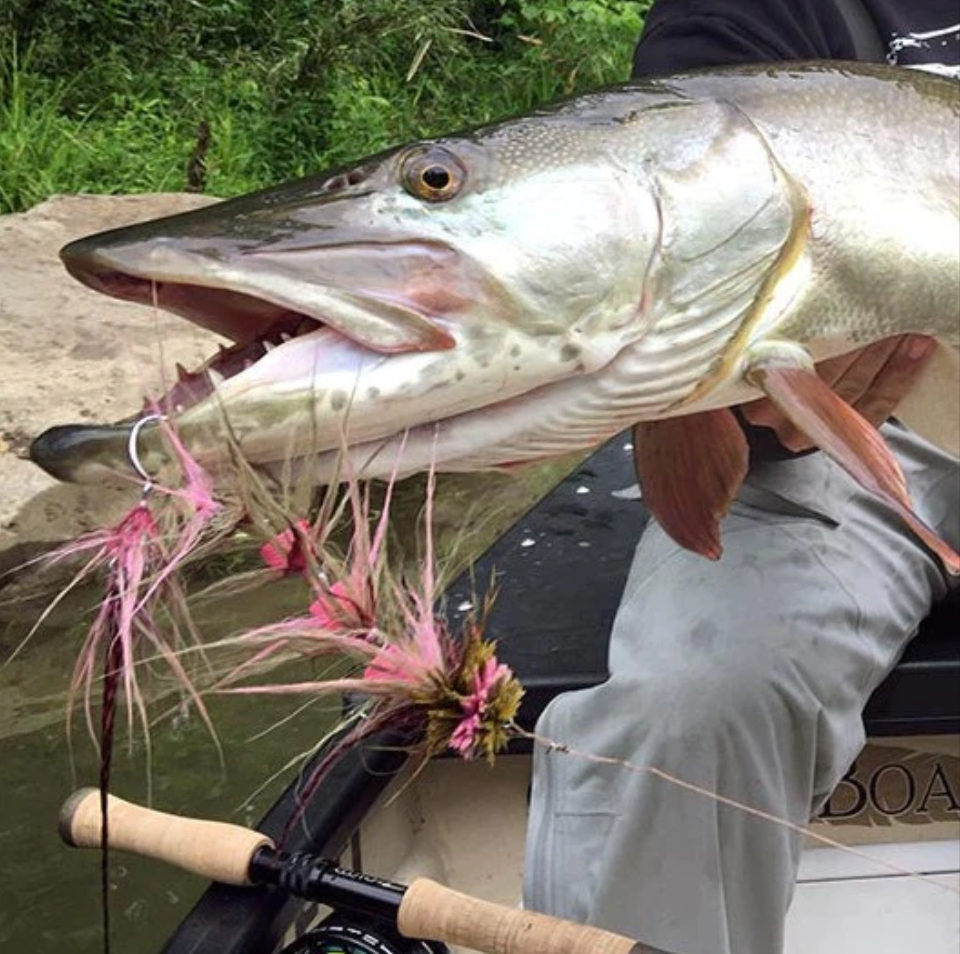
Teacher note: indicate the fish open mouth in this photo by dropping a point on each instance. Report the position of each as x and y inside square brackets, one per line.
[255, 326]
[256, 321]
[191, 387]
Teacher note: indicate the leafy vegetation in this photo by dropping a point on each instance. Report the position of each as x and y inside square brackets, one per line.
[230, 95]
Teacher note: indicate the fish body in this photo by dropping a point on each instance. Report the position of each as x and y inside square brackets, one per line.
[638, 254]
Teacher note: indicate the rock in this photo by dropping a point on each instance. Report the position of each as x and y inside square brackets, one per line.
[70, 354]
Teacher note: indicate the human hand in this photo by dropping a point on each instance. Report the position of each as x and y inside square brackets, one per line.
[873, 380]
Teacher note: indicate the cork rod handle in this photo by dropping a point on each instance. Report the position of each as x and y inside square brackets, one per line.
[428, 911]
[214, 850]
[435, 913]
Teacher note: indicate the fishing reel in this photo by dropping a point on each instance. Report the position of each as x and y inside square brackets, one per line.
[335, 936]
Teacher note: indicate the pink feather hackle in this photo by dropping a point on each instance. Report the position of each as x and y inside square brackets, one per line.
[408, 666]
[141, 557]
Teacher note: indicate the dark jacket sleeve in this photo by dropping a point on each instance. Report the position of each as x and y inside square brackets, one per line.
[690, 34]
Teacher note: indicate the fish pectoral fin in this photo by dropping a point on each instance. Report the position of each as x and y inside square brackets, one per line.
[690, 469]
[788, 378]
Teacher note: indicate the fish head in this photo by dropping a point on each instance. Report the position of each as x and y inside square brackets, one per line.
[416, 287]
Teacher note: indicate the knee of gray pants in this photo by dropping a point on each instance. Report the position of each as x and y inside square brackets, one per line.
[732, 715]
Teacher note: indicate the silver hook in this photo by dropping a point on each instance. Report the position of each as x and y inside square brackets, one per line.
[133, 453]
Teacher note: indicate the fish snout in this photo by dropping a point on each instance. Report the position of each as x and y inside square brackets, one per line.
[80, 453]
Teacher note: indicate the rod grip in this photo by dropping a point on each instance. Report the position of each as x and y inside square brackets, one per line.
[435, 913]
[214, 850]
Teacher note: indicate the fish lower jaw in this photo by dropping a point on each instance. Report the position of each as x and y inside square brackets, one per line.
[553, 421]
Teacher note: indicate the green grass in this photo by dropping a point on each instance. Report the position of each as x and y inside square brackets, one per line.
[38, 146]
[110, 97]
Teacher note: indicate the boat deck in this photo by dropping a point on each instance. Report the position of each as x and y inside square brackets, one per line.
[845, 901]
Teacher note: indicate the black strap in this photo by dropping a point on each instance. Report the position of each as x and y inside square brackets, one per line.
[868, 46]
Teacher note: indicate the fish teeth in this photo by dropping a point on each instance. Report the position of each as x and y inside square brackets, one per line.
[182, 373]
[268, 346]
[284, 336]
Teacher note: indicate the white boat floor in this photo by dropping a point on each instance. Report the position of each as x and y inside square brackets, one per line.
[846, 903]
[873, 916]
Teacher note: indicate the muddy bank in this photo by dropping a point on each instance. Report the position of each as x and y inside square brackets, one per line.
[70, 354]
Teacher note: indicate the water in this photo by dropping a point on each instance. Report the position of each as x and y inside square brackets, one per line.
[49, 893]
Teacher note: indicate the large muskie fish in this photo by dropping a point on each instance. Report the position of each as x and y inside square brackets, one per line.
[657, 251]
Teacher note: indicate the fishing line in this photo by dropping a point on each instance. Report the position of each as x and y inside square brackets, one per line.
[552, 745]
[112, 667]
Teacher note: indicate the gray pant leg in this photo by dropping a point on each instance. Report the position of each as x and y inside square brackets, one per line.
[747, 677]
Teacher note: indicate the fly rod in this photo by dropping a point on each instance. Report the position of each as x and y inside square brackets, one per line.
[424, 910]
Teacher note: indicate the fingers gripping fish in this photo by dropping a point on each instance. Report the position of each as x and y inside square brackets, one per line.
[652, 254]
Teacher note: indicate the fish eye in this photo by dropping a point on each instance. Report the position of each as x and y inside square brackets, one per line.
[436, 178]
[433, 173]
